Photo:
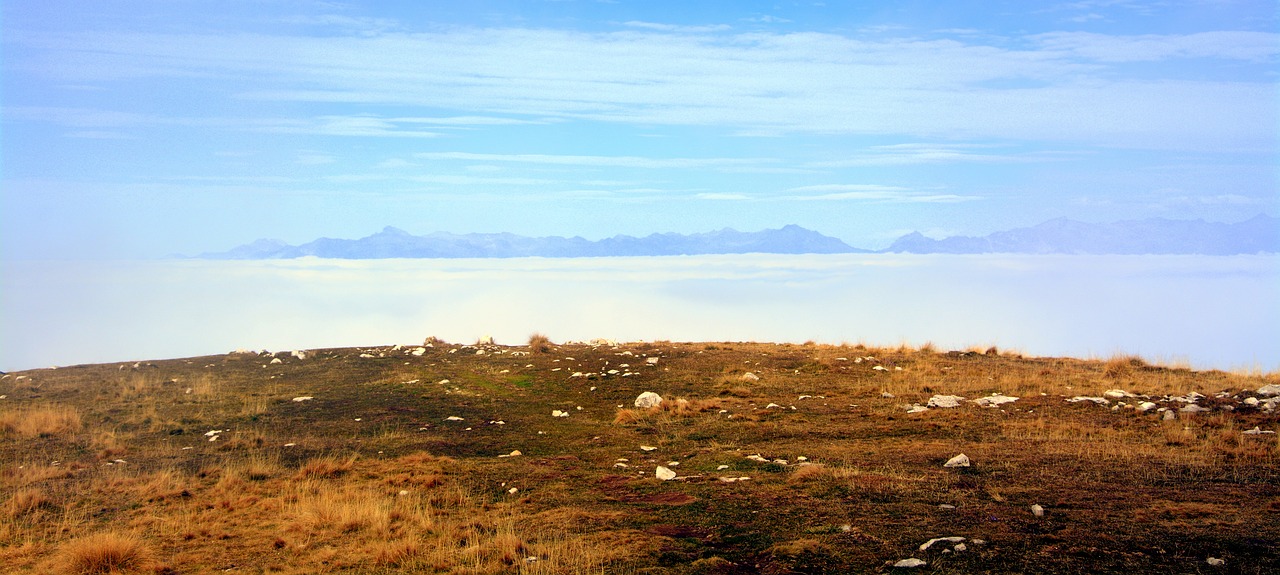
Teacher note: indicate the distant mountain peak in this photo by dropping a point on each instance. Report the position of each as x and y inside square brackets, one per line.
[393, 242]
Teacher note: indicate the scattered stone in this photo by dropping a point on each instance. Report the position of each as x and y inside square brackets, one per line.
[648, 399]
[960, 547]
[773, 406]
[916, 408]
[651, 361]
[453, 418]
[276, 361]
[881, 368]
[1257, 431]
[945, 401]
[647, 448]
[994, 400]
[757, 458]
[1169, 415]
[1193, 408]
[1116, 394]
[1269, 390]
[418, 351]
[961, 460]
[887, 395]
[946, 506]
[748, 376]
[1251, 401]
[1146, 406]
[366, 356]
[513, 491]
[1216, 562]
[1097, 400]
[558, 413]
[515, 453]
[930, 542]
[1037, 510]
[909, 563]
[664, 474]
[302, 398]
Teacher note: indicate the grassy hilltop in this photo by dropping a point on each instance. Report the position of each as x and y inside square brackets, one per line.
[788, 459]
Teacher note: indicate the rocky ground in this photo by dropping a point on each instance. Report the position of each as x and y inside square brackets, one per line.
[652, 457]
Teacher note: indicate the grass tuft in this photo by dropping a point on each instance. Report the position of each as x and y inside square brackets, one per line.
[107, 552]
[539, 343]
[44, 421]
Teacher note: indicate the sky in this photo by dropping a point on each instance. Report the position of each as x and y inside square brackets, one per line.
[137, 129]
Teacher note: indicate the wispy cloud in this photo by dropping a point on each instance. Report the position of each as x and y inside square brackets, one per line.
[658, 74]
[873, 193]
[597, 161]
[676, 27]
[938, 153]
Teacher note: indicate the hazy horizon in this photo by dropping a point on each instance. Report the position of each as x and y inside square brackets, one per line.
[1168, 309]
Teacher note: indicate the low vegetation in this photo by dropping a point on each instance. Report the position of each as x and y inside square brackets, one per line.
[478, 459]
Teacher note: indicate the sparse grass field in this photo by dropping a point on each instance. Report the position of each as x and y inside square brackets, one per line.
[403, 461]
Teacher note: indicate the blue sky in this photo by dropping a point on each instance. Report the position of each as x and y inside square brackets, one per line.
[138, 129]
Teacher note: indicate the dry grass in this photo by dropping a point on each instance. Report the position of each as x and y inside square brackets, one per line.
[364, 485]
[539, 343]
[106, 552]
[41, 421]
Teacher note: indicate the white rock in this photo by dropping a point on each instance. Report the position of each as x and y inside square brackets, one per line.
[298, 354]
[748, 376]
[276, 361]
[1193, 408]
[302, 398]
[648, 399]
[1215, 561]
[558, 413]
[1251, 401]
[886, 394]
[1146, 406]
[418, 351]
[1169, 415]
[664, 474]
[916, 408]
[647, 448]
[757, 458]
[961, 460]
[1116, 394]
[453, 418]
[1037, 510]
[907, 563]
[994, 400]
[1257, 431]
[960, 547]
[1269, 390]
[929, 543]
[213, 432]
[773, 406]
[883, 368]
[1097, 400]
[651, 361]
[513, 490]
[945, 401]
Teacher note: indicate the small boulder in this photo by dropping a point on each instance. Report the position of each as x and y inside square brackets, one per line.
[929, 543]
[994, 400]
[748, 376]
[945, 401]
[648, 399]
[1269, 390]
[1037, 510]
[910, 563]
[1116, 394]
[961, 460]
[664, 474]
[1216, 562]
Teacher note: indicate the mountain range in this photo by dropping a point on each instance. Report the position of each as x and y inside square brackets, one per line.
[1260, 234]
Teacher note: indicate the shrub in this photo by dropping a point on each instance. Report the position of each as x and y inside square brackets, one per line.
[539, 343]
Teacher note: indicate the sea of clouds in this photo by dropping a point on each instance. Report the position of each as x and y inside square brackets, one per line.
[1206, 312]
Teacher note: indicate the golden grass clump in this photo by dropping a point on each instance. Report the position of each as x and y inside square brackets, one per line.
[811, 472]
[1122, 365]
[539, 343]
[106, 552]
[43, 421]
[324, 467]
[26, 502]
